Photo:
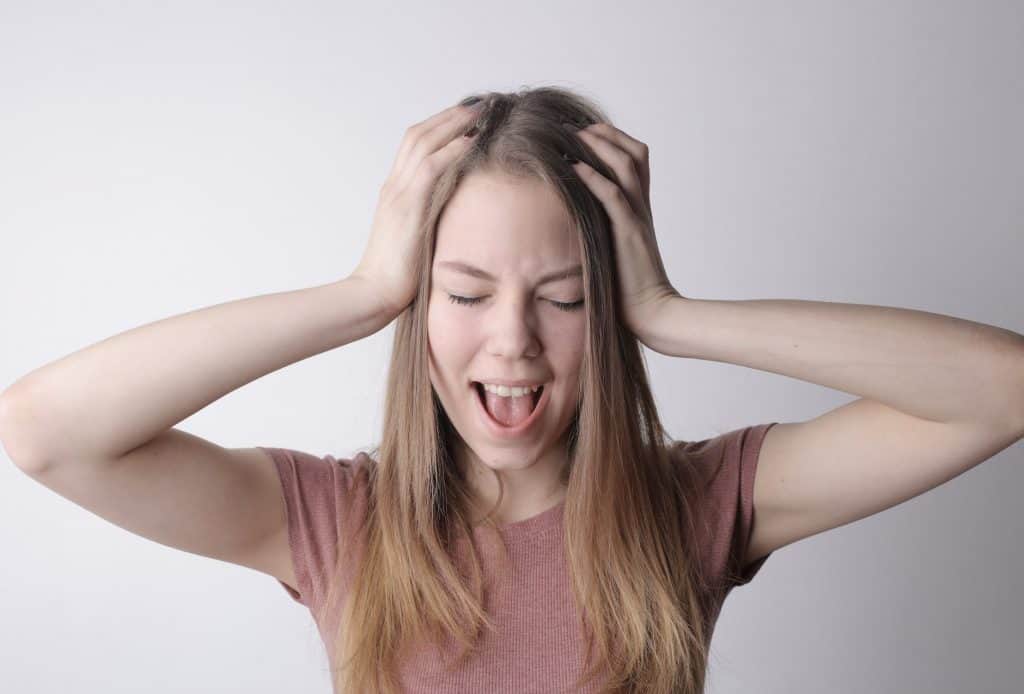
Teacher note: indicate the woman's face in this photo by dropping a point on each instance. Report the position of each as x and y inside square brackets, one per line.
[518, 233]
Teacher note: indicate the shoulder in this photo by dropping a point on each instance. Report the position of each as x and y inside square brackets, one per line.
[325, 503]
[719, 458]
[298, 467]
[725, 467]
[322, 487]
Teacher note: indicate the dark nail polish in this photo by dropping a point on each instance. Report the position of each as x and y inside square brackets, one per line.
[471, 101]
[569, 158]
[471, 132]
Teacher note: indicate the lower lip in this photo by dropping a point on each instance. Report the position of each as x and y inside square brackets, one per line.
[500, 431]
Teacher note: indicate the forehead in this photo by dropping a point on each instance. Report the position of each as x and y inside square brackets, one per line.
[499, 222]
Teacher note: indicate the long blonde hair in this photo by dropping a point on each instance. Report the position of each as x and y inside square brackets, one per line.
[627, 501]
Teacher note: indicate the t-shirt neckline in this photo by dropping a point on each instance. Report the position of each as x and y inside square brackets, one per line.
[536, 524]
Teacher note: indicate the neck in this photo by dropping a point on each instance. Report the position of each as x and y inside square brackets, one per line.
[528, 489]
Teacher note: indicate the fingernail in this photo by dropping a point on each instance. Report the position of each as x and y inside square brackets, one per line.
[470, 133]
[569, 158]
[472, 101]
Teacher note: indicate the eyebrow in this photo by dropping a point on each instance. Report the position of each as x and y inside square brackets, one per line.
[466, 268]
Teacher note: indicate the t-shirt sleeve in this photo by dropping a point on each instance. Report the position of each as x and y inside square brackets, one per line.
[729, 462]
[315, 489]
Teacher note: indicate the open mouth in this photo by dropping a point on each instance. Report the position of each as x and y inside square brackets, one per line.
[511, 415]
[483, 398]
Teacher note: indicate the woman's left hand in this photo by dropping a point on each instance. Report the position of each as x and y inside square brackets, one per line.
[644, 286]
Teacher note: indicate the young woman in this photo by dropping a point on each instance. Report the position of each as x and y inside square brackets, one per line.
[525, 523]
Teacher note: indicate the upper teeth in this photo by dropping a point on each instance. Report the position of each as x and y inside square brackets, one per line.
[513, 391]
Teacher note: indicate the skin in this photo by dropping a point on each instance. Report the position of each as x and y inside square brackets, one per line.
[517, 231]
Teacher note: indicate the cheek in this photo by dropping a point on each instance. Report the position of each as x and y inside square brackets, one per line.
[566, 340]
[451, 340]
[569, 360]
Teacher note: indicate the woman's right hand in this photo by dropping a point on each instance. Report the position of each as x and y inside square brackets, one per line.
[389, 263]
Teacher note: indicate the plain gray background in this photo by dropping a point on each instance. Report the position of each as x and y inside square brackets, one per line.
[160, 159]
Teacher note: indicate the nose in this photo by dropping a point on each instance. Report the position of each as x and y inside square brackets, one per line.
[512, 330]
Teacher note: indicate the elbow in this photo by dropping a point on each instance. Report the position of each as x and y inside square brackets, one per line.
[1008, 380]
[15, 416]
[1019, 363]
[1019, 409]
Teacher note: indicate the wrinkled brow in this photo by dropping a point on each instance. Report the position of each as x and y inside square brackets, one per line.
[467, 269]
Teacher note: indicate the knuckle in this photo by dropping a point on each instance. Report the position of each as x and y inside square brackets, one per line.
[389, 194]
[429, 167]
[621, 158]
[397, 206]
[416, 151]
[412, 132]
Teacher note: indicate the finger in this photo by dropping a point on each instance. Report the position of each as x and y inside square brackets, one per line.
[638, 150]
[407, 140]
[622, 163]
[425, 137]
[620, 212]
[431, 166]
[626, 228]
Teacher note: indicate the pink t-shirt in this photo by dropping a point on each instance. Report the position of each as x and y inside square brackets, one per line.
[536, 646]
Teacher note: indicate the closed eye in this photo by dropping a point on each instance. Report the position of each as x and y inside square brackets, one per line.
[469, 301]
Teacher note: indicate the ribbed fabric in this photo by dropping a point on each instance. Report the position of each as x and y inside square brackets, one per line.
[536, 647]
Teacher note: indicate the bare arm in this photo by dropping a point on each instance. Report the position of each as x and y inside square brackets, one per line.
[110, 397]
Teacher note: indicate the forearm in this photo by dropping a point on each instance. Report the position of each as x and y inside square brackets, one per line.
[117, 394]
[924, 364]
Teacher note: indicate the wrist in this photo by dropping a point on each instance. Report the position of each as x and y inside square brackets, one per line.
[666, 330]
[378, 310]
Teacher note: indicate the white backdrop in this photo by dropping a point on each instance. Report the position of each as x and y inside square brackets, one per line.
[154, 160]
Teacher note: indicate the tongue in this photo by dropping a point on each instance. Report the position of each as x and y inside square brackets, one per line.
[509, 411]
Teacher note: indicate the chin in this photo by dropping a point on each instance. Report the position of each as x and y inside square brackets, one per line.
[504, 460]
